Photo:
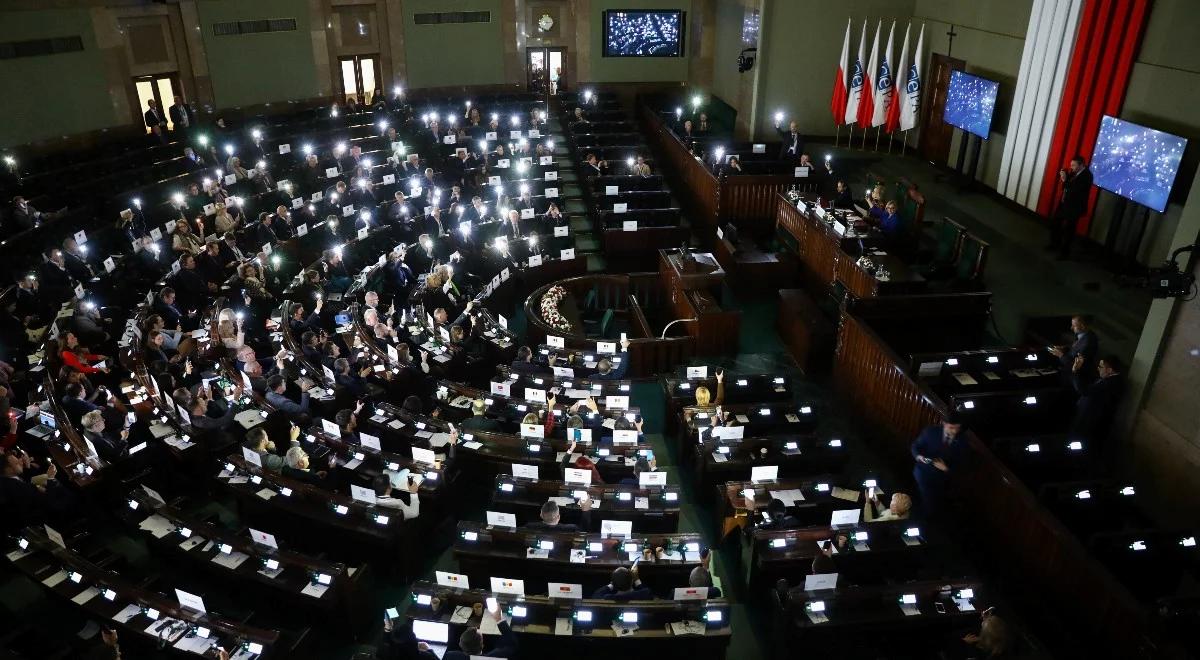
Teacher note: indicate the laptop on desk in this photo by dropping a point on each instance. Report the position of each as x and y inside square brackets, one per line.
[45, 427]
[435, 635]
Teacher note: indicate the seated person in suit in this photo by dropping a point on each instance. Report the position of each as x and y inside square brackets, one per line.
[642, 465]
[733, 167]
[470, 643]
[1098, 400]
[276, 397]
[383, 497]
[347, 421]
[24, 503]
[295, 466]
[594, 167]
[75, 405]
[897, 509]
[109, 446]
[701, 578]
[478, 421]
[354, 384]
[524, 363]
[624, 585]
[605, 369]
[298, 322]
[552, 516]
[259, 442]
[843, 199]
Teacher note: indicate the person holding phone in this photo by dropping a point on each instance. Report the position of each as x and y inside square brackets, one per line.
[937, 452]
[470, 642]
[624, 585]
[606, 370]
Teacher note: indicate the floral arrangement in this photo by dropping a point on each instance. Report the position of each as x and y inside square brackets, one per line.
[550, 314]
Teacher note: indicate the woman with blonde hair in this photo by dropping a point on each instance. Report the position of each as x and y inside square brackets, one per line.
[704, 396]
[223, 221]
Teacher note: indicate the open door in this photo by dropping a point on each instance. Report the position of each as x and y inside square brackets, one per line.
[934, 143]
[545, 70]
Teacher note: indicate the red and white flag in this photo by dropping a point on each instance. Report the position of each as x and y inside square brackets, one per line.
[910, 93]
[854, 97]
[898, 94]
[840, 93]
[866, 102]
[884, 87]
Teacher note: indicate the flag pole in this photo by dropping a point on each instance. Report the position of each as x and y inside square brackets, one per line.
[837, 137]
[864, 144]
[904, 143]
[877, 132]
[889, 143]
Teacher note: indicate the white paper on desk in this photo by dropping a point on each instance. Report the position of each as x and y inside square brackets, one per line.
[641, 503]
[536, 553]
[265, 493]
[396, 424]
[564, 590]
[130, 611]
[452, 580]
[316, 590]
[910, 609]
[578, 556]
[508, 586]
[609, 423]
[845, 494]
[55, 579]
[844, 517]
[729, 432]
[53, 535]
[576, 476]
[194, 644]
[263, 538]
[501, 519]
[157, 525]
[369, 441]
[789, 497]
[231, 560]
[689, 555]
[473, 445]
[742, 419]
[760, 473]
[563, 626]
[616, 528]
[425, 456]
[191, 542]
[18, 554]
[818, 581]
[656, 478]
[526, 471]
[964, 605]
[690, 593]
[85, 595]
[617, 402]
[439, 439]
[462, 614]
[964, 378]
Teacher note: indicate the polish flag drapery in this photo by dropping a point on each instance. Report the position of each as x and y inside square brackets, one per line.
[910, 93]
[838, 104]
[898, 88]
[884, 86]
[866, 103]
[855, 93]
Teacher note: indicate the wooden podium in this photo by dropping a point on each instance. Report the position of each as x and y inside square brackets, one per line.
[693, 282]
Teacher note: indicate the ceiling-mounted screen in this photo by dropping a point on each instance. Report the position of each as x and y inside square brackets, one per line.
[970, 101]
[1136, 162]
[643, 33]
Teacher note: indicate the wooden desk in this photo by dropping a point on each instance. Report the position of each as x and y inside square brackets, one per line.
[525, 498]
[484, 552]
[533, 620]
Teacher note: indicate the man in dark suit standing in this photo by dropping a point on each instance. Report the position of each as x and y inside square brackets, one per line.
[1098, 400]
[1077, 185]
[182, 115]
[155, 120]
[937, 452]
[1085, 345]
[792, 142]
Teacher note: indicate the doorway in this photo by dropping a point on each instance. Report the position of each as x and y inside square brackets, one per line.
[934, 143]
[545, 69]
[360, 78]
[160, 88]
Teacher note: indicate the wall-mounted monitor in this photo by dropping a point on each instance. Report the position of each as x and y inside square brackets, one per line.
[642, 33]
[1136, 162]
[970, 101]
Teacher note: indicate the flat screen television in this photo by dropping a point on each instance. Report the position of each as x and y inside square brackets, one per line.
[643, 33]
[1136, 162]
[970, 101]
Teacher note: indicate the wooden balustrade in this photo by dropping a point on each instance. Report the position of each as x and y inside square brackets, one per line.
[1008, 519]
